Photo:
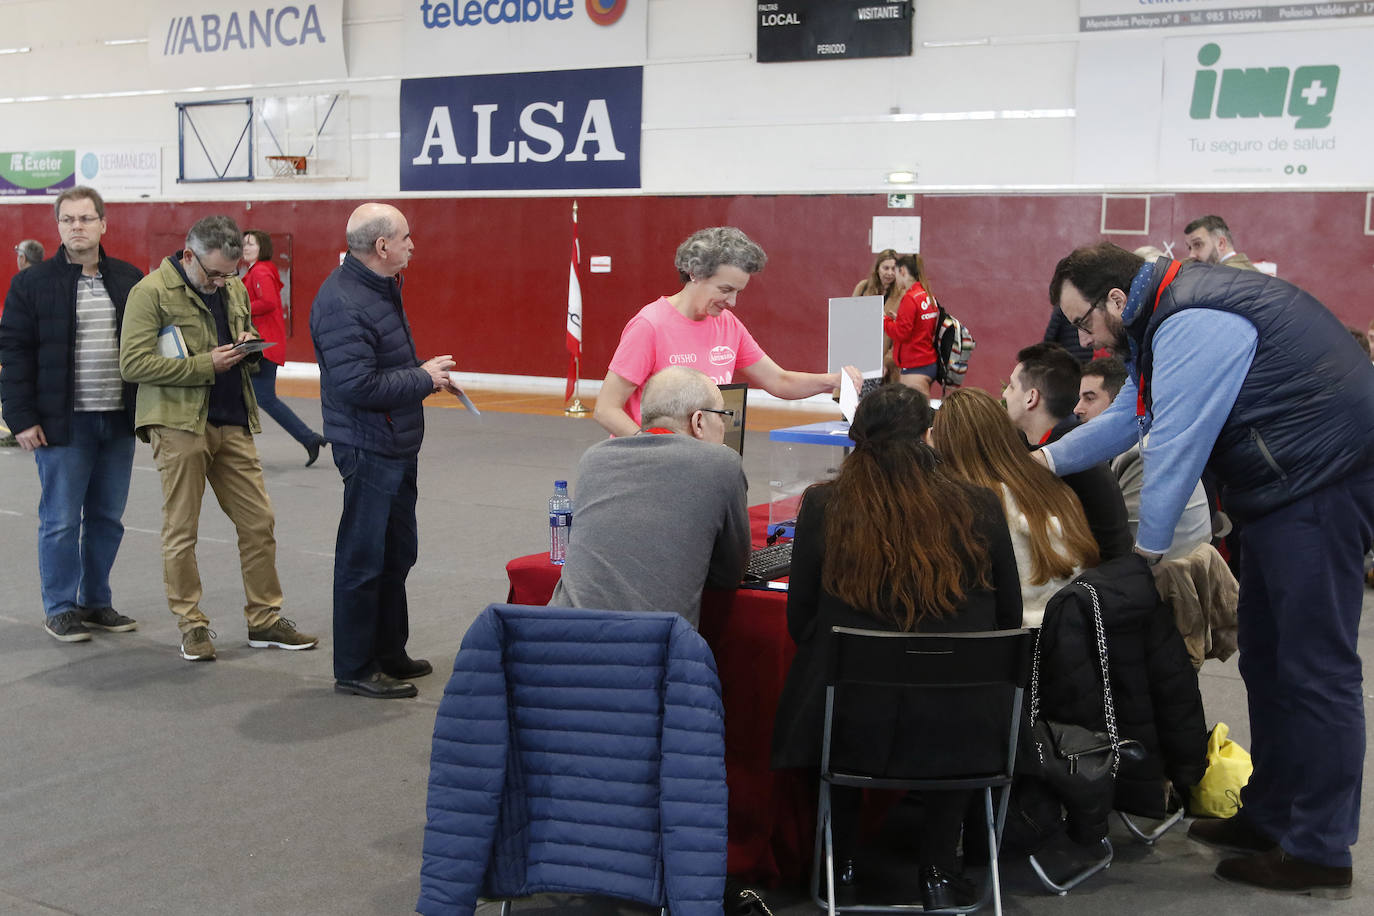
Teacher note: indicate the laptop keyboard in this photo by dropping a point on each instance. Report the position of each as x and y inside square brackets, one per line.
[768, 563]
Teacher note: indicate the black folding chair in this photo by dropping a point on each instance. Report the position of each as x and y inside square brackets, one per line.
[937, 668]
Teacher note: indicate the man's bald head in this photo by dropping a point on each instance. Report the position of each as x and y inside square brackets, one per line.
[379, 236]
[681, 399]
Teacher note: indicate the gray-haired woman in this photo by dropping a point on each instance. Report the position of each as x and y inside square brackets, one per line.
[697, 327]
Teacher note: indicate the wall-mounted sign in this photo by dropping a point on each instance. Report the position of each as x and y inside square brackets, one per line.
[121, 171]
[1110, 15]
[219, 40]
[569, 129]
[1271, 109]
[37, 172]
[501, 34]
[791, 30]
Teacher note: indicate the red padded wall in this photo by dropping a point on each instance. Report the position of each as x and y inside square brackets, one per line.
[489, 279]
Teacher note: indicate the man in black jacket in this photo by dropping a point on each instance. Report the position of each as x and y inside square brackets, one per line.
[1040, 399]
[64, 399]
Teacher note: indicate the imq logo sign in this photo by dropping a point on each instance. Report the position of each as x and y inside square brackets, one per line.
[1307, 94]
[553, 130]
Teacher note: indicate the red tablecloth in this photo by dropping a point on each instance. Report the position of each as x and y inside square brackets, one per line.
[772, 815]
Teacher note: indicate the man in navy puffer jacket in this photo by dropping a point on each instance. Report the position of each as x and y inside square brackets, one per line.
[372, 392]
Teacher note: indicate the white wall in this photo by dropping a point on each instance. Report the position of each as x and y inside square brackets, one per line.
[714, 120]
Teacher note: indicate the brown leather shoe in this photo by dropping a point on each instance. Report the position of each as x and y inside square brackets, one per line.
[1276, 870]
[1233, 833]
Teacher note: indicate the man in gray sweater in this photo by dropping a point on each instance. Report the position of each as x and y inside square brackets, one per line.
[661, 514]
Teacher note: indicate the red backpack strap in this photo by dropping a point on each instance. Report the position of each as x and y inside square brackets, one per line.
[1169, 276]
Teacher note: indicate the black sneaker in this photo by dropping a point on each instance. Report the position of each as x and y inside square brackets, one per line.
[67, 627]
[107, 619]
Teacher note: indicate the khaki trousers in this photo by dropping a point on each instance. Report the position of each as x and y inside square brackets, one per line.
[227, 458]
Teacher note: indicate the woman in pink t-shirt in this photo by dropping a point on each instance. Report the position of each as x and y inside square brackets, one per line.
[697, 328]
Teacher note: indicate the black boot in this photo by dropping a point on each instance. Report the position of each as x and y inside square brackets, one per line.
[941, 890]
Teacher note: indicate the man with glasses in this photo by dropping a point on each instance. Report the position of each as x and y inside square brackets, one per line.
[659, 515]
[1254, 377]
[65, 402]
[196, 407]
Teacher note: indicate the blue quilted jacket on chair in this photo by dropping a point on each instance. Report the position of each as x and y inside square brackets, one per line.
[578, 751]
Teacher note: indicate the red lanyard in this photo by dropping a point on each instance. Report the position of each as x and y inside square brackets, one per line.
[1169, 276]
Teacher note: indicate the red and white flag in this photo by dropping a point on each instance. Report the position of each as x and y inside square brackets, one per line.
[574, 312]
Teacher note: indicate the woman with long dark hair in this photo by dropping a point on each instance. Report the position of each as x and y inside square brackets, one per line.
[892, 543]
[1049, 532]
[264, 295]
[882, 281]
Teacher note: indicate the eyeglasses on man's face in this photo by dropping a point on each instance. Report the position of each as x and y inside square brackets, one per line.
[212, 275]
[723, 411]
[70, 221]
[1084, 322]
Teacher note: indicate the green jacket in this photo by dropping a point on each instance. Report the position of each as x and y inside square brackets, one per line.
[176, 392]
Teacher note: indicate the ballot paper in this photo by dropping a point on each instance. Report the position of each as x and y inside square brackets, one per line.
[461, 395]
[849, 398]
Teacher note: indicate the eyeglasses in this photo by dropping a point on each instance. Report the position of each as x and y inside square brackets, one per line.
[78, 220]
[212, 275]
[724, 412]
[1082, 322]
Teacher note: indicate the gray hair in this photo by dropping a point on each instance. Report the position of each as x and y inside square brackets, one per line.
[216, 233]
[672, 395]
[362, 239]
[31, 249]
[708, 250]
[80, 192]
[1149, 252]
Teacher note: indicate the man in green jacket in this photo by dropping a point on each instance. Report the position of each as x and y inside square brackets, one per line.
[184, 326]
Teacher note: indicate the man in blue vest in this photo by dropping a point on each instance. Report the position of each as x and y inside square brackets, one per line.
[1254, 377]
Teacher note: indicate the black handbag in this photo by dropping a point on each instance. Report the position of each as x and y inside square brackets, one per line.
[1078, 763]
[749, 903]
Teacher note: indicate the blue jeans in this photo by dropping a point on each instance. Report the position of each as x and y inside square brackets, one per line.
[85, 485]
[377, 545]
[265, 389]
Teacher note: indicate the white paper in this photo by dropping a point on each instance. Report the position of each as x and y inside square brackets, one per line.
[849, 398]
[462, 396]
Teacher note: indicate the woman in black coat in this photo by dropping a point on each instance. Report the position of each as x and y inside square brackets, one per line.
[893, 543]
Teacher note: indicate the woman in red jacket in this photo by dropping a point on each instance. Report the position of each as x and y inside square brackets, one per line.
[264, 293]
[912, 326]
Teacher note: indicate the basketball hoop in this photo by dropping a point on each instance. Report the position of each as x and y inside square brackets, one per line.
[286, 166]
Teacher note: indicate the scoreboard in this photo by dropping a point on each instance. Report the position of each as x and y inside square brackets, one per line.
[791, 30]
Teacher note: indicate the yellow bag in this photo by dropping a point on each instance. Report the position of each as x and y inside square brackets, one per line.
[1228, 770]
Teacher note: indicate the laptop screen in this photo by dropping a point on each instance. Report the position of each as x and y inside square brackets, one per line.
[735, 395]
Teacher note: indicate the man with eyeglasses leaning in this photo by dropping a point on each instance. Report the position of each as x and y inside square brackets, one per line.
[196, 407]
[1253, 376]
[661, 514]
[65, 402]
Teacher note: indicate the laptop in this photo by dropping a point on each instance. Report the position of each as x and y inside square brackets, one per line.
[735, 395]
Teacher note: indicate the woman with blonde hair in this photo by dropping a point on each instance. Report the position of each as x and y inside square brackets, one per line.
[1049, 532]
[882, 281]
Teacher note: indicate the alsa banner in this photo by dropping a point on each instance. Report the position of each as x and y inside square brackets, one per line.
[212, 41]
[1269, 108]
[516, 34]
[568, 129]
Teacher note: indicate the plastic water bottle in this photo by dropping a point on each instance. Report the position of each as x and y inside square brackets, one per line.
[560, 522]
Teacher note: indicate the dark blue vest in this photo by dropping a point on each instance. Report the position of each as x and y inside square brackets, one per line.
[1304, 417]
